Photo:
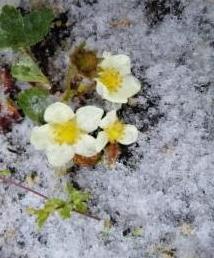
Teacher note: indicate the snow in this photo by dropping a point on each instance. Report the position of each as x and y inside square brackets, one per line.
[163, 182]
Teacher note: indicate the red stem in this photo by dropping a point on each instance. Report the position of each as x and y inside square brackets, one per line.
[12, 182]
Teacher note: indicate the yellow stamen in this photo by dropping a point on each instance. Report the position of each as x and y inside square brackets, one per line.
[111, 78]
[67, 132]
[115, 131]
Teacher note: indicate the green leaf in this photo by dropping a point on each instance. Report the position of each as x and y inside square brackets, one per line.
[36, 25]
[42, 217]
[11, 28]
[28, 71]
[53, 204]
[65, 212]
[49, 208]
[5, 172]
[17, 31]
[33, 102]
[77, 199]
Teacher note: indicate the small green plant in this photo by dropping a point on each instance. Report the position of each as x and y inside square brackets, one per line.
[76, 202]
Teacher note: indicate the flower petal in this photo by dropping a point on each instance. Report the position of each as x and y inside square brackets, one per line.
[88, 118]
[86, 146]
[101, 141]
[120, 62]
[59, 155]
[41, 137]
[110, 118]
[105, 94]
[130, 87]
[101, 88]
[130, 135]
[58, 113]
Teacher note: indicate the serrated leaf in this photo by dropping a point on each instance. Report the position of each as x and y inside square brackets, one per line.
[17, 31]
[76, 195]
[28, 71]
[33, 102]
[77, 199]
[36, 25]
[40, 214]
[49, 208]
[11, 28]
[53, 204]
[42, 218]
[65, 212]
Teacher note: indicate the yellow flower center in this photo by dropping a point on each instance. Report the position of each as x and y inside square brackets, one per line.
[67, 132]
[115, 131]
[111, 78]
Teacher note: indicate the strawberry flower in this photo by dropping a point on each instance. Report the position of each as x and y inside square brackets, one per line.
[115, 82]
[66, 133]
[115, 131]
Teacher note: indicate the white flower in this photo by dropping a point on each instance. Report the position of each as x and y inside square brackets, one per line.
[115, 131]
[115, 82]
[66, 133]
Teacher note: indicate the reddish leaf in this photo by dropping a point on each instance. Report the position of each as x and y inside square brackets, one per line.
[112, 153]
[86, 161]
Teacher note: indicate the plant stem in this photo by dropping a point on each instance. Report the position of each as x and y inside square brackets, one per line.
[89, 215]
[28, 52]
[68, 93]
[25, 188]
[18, 184]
